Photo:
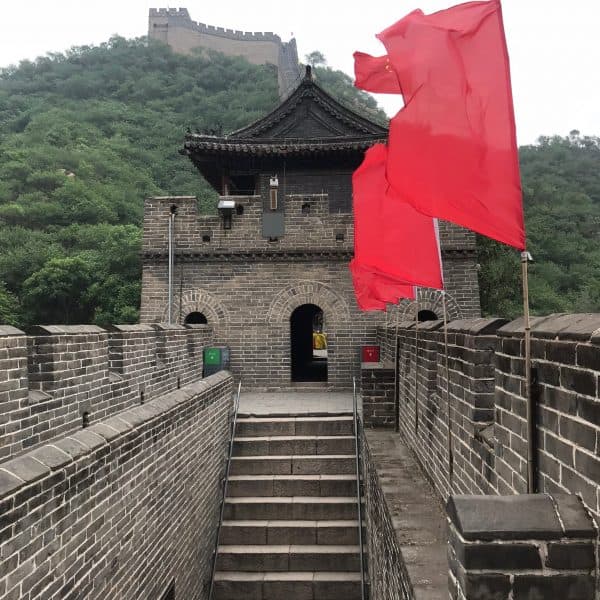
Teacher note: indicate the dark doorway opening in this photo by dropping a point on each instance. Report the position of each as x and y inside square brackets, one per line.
[195, 318]
[427, 315]
[308, 344]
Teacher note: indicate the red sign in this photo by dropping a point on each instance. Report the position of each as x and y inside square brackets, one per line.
[370, 354]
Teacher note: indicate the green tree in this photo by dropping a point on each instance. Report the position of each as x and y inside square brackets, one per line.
[60, 292]
[9, 307]
[316, 59]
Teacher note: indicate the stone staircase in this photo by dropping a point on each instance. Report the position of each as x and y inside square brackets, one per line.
[290, 525]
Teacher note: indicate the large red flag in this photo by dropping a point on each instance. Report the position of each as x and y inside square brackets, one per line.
[374, 290]
[375, 74]
[452, 148]
[391, 238]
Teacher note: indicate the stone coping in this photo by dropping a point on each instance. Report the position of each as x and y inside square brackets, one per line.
[520, 517]
[26, 469]
[417, 516]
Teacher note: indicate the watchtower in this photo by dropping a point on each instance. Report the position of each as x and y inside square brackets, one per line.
[270, 271]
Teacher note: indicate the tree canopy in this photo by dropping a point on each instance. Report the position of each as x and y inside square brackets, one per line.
[85, 136]
[561, 196]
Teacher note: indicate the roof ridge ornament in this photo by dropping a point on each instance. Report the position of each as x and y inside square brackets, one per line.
[308, 73]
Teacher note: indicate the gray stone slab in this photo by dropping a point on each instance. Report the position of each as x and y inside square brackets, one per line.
[519, 517]
[9, 483]
[51, 456]
[26, 468]
[295, 403]
[576, 520]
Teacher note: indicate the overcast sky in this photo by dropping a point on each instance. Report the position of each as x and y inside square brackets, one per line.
[553, 44]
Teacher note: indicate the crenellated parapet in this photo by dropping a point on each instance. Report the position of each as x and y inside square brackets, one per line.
[175, 27]
[55, 379]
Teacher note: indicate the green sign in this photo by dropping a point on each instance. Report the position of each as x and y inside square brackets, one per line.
[212, 356]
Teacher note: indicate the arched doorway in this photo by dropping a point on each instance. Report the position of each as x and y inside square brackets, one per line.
[195, 318]
[308, 344]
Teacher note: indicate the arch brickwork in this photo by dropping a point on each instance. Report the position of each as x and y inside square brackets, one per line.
[428, 299]
[333, 305]
[202, 302]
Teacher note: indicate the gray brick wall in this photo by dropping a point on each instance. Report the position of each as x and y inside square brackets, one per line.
[248, 286]
[388, 576]
[53, 376]
[487, 413]
[566, 364]
[521, 547]
[121, 508]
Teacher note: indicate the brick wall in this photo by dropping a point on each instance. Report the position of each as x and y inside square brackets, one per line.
[52, 377]
[566, 364]
[486, 453]
[388, 577]
[520, 547]
[248, 286]
[175, 28]
[119, 509]
[377, 385]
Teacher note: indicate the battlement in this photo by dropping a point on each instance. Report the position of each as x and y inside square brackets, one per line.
[180, 17]
[58, 376]
[174, 27]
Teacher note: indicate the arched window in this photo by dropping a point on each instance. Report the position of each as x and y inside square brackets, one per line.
[195, 318]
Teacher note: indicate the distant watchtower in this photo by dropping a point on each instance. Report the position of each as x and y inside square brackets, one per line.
[270, 272]
[174, 27]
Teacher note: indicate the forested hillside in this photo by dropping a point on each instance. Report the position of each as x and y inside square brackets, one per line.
[85, 136]
[561, 194]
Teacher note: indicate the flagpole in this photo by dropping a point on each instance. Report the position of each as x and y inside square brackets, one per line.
[397, 374]
[531, 487]
[449, 412]
[416, 357]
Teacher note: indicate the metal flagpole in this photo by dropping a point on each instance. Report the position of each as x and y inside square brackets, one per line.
[397, 374]
[531, 487]
[416, 357]
[170, 269]
[449, 410]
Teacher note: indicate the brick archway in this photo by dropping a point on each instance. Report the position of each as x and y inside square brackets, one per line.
[430, 300]
[202, 302]
[333, 305]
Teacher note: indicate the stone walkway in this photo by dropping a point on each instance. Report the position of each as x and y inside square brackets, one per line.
[286, 403]
[417, 515]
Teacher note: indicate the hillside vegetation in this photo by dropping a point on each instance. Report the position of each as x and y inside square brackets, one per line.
[86, 135]
[561, 195]
[84, 138]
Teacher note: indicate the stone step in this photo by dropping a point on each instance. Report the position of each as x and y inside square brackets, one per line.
[266, 426]
[286, 557]
[323, 464]
[288, 508]
[293, 444]
[291, 485]
[236, 585]
[289, 532]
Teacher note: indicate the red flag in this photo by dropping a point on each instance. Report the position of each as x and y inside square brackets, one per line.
[452, 148]
[374, 290]
[375, 74]
[390, 237]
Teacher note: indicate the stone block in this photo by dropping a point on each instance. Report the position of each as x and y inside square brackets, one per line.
[524, 517]
[573, 556]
